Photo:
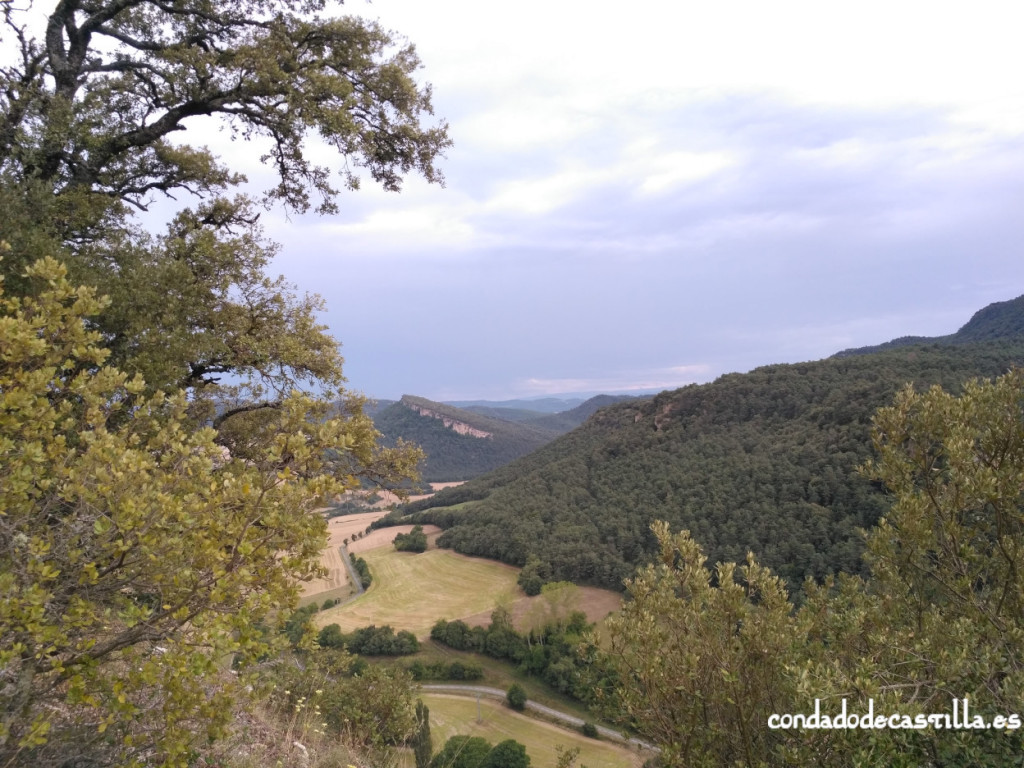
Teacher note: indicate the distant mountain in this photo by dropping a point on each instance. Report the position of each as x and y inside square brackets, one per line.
[764, 461]
[1001, 321]
[461, 443]
[566, 420]
[506, 414]
[540, 404]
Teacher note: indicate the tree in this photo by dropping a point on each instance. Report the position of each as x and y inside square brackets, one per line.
[94, 108]
[154, 522]
[703, 664]
[943, 612]
[462, 752]
[507, 754]
[414, 541]
[533, 575]
[422, 744]
[516, 697]
[135, 555]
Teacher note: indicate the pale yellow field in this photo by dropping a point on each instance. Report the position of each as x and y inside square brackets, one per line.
[531, 612]
[337, 575]
[453, 715]
[412, 591]
[383, 537]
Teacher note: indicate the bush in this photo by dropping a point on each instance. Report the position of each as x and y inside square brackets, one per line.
[507, 754]
[414, 541]
[516, 697]
[438, 670]
[370, 641]
[589, 730]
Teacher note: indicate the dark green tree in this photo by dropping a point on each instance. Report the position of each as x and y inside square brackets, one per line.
[507, 754]
[413, 541]
[516, 697]
[422, 743]
[534, 575]
[462, 752]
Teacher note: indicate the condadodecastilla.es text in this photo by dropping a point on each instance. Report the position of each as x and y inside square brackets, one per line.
[959, 718]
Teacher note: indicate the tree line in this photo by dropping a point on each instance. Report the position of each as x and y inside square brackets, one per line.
[764, 461]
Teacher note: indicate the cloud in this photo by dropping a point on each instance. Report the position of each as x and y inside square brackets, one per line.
[620, 381]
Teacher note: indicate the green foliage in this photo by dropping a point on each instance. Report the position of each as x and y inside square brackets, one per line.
[589, 730]
[370, 641]
[516, 697]
[533, 575]
[762, 462]
[422, 743]
[707, 656]
[87, 112]
[561, 652]
[414, 541]
[703, 662]
[363, 570]
[299, 623]
[507, 754]
[462, 752]
[154, 522]
[943, 612]
[440, 670]
[135, 555]
[368, 707]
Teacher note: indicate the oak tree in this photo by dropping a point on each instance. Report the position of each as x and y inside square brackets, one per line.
[96, 107]
[135, 553]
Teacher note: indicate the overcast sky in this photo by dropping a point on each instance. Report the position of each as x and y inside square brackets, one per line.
[649, 194]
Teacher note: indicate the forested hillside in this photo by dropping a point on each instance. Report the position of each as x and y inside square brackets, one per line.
[763, 461]
[462, 443]
[999, 321]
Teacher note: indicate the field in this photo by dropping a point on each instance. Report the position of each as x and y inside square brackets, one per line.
[530, 612]
[412, 591]
[336, 583]
[452, 715]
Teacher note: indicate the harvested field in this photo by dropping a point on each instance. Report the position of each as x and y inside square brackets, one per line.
[452, 715]
[387, 498]
[334, 581]
[341, 528]
[412, 591]
[529, 612]
[383, 537]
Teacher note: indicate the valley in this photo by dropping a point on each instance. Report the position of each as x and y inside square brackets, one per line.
[411, 591]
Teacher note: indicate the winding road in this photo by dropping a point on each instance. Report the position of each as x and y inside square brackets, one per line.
[563, 717]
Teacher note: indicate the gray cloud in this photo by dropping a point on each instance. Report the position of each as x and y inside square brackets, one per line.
[772, 232]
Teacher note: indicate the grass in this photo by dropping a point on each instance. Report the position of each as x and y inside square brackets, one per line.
[340, 593]
[501, 674]
[453, 715]
[412, 591]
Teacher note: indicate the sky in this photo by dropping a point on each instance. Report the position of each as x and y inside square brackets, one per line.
[644, 195]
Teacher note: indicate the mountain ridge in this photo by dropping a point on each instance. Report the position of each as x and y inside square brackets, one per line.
[764, 461]
[998, 321]
[461, 443]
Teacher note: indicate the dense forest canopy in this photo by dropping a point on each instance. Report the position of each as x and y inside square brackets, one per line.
[764, 461]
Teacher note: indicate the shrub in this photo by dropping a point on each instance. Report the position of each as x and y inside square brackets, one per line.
[516, 697]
